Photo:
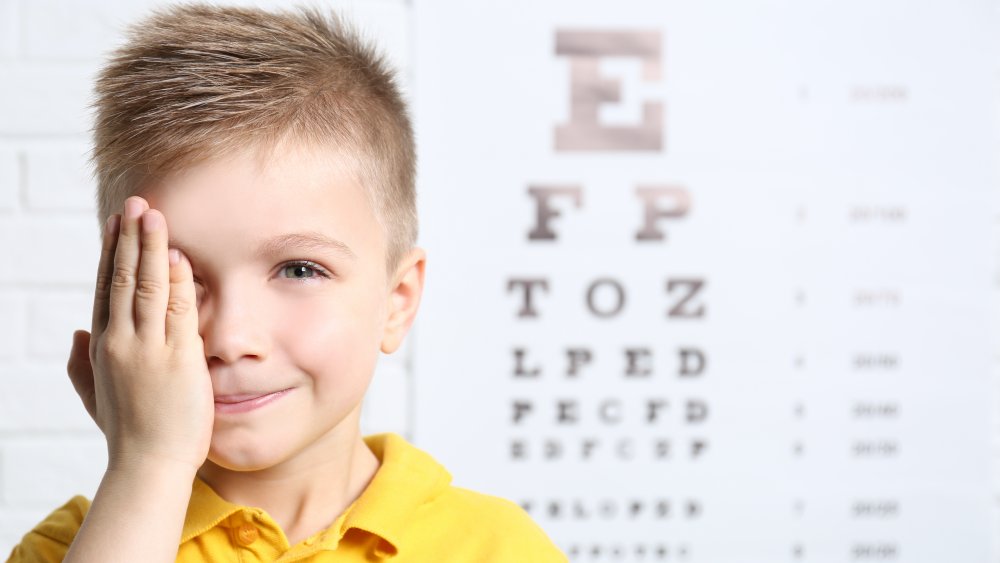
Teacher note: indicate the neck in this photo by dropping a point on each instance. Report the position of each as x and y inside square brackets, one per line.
[306, 494]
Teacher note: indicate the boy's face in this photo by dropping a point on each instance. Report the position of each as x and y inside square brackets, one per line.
[269, 323]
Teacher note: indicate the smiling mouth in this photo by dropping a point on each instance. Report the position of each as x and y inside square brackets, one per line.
[242, 398]
[232, 404]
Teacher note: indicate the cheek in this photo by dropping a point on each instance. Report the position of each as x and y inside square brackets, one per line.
[329, 339]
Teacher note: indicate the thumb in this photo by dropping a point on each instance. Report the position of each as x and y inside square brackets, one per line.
[81, 373]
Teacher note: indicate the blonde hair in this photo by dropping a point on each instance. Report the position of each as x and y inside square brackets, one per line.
[196, 82]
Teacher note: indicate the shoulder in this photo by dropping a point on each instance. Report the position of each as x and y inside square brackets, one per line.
[496, 526]
[497, 510]
[50, 539]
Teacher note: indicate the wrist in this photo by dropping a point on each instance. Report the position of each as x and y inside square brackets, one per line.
[149, 464]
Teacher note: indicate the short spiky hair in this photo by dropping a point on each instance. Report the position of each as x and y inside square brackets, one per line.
[195, 82]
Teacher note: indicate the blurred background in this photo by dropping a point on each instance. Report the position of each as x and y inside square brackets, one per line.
[707, 282]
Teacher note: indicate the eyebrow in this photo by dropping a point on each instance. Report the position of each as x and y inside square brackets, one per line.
[308, 241]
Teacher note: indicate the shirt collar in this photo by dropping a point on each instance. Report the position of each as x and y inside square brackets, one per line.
[205, 510]
[407, 477]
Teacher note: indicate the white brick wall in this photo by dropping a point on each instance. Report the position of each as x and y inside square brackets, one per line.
[64, 30]
[45, 98]
[58, 177]
[50, 51]
[52, 317]
[12, 319]
[62, 253]
[8, 29]
[66, 464]
[10, 180]
[40, 399]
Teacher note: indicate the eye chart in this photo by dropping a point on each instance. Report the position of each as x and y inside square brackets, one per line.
[711, 282]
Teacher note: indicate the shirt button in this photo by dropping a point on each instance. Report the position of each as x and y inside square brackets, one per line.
[246, 534]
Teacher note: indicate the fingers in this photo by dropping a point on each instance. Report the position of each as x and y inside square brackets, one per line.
[81, 372]
[121, 317]
[152, 285]
[182, 307]
[138, 291]
[105, 271]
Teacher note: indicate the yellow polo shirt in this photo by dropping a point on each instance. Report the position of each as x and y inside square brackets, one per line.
[409, 512]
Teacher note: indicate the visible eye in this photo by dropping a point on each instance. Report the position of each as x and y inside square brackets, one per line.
[300, 270]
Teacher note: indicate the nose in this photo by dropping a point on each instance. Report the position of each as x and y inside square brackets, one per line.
[231, 329]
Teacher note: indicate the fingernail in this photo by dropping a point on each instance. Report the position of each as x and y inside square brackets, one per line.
[111, 226]
[175, 256]
[150, 222]
[133, 209]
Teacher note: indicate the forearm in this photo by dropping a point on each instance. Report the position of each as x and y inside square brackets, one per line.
[137, 515]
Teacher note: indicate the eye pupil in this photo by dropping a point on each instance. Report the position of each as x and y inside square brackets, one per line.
[300, 271]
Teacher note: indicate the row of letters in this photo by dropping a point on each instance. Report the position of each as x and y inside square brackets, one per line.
[637, 362]
[606, 298]
[594, 449]
[610, 412]
[652, 508]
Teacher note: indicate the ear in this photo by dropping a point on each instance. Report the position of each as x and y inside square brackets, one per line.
[404, 298]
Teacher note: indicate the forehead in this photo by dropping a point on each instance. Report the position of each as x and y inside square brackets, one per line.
[247, 205]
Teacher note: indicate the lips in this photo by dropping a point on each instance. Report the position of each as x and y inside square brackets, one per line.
[237, 404]
[241, 397]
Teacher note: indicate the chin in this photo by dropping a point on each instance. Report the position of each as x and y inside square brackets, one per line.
[242, 457]
[240, 465]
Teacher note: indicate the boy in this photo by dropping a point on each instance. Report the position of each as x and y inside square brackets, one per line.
[228, 357]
